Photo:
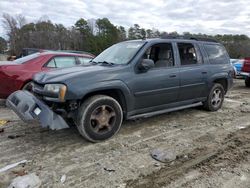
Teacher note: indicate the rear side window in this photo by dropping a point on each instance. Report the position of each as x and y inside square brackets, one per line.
[61, 62]
[188, 54]
[217, 54]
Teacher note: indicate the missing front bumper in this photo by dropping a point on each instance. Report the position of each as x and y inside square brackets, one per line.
[29, 109]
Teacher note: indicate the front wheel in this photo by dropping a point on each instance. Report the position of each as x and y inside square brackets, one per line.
[247, 81]
[99, 118]
[215, 98]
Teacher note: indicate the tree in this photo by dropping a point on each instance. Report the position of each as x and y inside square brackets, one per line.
[107, 35]
[136, 32]
[3, 45]
[122, 33]
[10, 25]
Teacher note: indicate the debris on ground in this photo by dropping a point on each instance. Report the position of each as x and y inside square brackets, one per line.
[3, 122]
[14, 136]
[163, 156]
[109, 169]
[12, 165]
[1, 130]
[19, 172]
[27, 181]
[63, 178]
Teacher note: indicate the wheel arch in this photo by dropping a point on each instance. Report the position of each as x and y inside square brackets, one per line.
[223, 82]
[115, 93]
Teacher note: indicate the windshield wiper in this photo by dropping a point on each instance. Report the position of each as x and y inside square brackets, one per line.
[106, 63]
[101, 62]
[93, 62]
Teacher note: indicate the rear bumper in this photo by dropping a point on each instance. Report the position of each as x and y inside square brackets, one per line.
[29, 109]
[245, 74]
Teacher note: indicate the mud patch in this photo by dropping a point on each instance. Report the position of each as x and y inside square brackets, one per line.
[230, 152]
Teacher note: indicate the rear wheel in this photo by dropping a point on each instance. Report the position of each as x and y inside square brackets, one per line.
[247, 81]
[215, 98]
[99, 118]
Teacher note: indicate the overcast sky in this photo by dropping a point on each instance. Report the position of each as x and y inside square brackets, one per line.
[195, 16]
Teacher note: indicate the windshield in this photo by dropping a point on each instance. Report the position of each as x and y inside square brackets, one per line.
[26, 58]
[120, 53]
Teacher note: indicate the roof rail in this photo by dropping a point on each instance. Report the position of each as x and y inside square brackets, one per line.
[203, 39]
[190, 38]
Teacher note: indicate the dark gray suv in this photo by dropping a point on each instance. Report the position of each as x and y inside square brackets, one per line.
[129, 80]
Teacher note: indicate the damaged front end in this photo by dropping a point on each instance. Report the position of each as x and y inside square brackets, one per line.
[29, 108]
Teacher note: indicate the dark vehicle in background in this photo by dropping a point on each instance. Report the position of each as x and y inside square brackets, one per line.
[16, 75]
[129, 80]
[246, 71]
[29, 51]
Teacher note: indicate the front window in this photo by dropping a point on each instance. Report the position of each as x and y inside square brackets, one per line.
[120, 53]
[26, 58]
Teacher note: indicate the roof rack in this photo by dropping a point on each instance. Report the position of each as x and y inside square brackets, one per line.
[203, 39]
[190, 38]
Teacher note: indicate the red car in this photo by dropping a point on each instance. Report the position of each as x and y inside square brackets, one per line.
[17, 75]
[245, 71]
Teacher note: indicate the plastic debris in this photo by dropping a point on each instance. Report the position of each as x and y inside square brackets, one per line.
[109, 169]
[27, 181]
[163, 155]
[3, 122]
[63, 178]
[12, 165]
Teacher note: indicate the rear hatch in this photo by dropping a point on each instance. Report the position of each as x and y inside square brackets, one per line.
[246, 65]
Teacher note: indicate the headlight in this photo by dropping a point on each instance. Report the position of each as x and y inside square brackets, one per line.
[58, 90]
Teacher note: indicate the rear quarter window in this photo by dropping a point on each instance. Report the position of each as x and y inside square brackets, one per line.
[217, 54]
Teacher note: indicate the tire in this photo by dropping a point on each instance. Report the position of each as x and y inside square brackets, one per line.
[215, 98]
[99, 118]
[247, 81]
[28, 87]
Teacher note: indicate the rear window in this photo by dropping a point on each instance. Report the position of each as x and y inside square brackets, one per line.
[26, 58]
[217, 54]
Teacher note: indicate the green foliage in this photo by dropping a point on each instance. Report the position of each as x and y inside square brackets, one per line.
[44, 34]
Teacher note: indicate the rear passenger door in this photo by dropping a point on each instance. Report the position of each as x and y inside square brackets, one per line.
[193, 74]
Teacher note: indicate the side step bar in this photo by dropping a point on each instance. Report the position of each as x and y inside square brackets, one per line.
[150, 114]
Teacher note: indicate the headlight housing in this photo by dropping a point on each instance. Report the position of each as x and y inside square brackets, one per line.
[57, 90]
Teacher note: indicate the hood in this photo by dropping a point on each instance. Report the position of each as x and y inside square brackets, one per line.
[64, 74]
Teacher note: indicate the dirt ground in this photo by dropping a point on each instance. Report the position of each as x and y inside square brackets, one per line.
[212, 150]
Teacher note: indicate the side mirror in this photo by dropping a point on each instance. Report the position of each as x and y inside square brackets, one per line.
[146, 64]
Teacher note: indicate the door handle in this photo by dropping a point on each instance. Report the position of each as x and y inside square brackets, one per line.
[172, 76]
[204, 72]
